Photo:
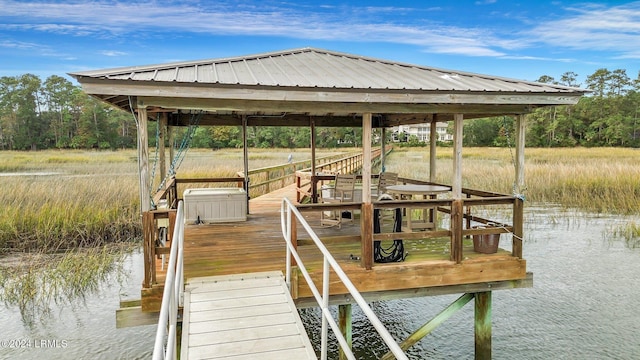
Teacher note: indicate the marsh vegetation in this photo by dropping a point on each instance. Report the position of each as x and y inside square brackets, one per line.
[68, 211]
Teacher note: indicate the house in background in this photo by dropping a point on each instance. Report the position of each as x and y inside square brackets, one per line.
[422, 132]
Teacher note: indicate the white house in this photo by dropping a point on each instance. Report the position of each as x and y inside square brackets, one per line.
[422, 132]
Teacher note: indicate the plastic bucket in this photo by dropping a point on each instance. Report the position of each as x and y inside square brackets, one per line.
[486, 244]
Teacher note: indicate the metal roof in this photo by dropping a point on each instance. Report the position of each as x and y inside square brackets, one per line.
[317, 68]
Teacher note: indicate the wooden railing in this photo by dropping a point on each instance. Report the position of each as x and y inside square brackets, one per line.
[267, 179]
[307, 181]
[461, 220]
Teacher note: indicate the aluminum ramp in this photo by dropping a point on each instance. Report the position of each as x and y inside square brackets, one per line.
[242, 316]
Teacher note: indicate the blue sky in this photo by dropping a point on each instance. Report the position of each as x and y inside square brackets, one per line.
[510, 38]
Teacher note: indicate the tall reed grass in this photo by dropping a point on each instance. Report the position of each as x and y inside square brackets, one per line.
[593, 179]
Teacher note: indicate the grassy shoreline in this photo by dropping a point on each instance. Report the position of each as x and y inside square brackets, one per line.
[92, 197]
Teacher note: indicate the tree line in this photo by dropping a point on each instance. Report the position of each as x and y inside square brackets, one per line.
[54, 113]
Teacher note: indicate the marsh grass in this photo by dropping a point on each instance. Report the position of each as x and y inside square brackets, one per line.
[630, 232]
[33, 282]
[594, 179]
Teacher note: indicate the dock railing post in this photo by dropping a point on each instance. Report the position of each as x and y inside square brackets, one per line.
[456, 230]
[518, 219]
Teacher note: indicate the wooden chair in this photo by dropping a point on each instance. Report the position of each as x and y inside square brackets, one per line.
[386, 179]
[342, 192]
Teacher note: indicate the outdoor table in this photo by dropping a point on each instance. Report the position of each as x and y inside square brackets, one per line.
[427, 219]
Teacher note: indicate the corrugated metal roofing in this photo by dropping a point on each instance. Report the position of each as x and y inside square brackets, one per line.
[317, 68]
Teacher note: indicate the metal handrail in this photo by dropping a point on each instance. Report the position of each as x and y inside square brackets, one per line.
[329, 262]
[172, 296]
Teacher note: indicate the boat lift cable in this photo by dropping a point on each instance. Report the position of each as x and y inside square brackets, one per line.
[181, 151]
[517, 191]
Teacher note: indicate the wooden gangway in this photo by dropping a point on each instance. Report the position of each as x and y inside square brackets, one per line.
[242, 316]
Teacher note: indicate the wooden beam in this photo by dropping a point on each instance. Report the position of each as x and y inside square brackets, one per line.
[345, 323]
[341, 107]
[422, 292]
[321, 95]
[432, 324]
[483, 325]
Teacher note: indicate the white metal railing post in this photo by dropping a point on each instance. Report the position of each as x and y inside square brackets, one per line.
[322, 299]
[168, 318]
[325, 308]
[286, 230]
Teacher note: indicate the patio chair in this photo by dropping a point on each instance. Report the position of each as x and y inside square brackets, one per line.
[342, 192]
[386, 179]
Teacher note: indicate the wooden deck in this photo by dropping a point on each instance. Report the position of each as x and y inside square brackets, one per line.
[245, 316]
[257, 245]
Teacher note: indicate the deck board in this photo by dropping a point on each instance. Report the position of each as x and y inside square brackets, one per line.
[242, 316]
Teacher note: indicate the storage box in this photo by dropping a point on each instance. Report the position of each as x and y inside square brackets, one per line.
[212, 205]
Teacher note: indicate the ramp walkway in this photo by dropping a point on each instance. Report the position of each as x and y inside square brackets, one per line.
[242, 316]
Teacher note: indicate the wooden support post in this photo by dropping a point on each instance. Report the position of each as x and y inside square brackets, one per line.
[383, 150]
[245, 152]
[518, 226]
[519, 185]
[149, 253]
[366, 213]
[143, 158]
[433, 140]
[314, 182]
[344, 321]
[164, 118]
[456, 230]
[427, 328]
[483, 325]
[457, 157]
[366, 158]
[366, 229]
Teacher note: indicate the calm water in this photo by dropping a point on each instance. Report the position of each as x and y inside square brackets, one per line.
[583, 305]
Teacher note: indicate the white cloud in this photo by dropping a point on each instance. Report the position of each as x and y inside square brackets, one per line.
[113, 53]
[595, 28]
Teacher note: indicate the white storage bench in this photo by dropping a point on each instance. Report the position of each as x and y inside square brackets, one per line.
[212, 205]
